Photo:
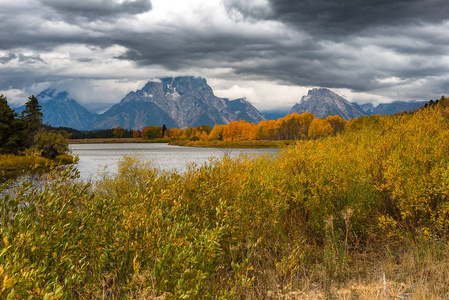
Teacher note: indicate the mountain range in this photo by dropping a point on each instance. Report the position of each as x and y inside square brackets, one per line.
[190, 102]
[176, 102]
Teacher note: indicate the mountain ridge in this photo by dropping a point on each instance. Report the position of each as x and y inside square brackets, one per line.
[322, 102]
[187, 101]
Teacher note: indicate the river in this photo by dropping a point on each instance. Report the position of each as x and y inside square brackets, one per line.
[94, 158]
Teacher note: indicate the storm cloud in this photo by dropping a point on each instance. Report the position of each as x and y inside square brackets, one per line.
[337, 19]
[370, 50]
[93, 10]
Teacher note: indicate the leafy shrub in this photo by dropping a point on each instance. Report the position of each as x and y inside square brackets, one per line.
[50, 144]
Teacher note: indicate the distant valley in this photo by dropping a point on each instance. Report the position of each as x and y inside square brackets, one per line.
[190, 102]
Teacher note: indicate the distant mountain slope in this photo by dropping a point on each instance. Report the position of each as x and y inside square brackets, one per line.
[275, 114]
[397, 107]
[368, 108]
[60, 110]
[323, 102]
[185, 101]
[136, 115]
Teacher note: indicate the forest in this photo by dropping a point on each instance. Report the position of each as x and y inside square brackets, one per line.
[360, 214]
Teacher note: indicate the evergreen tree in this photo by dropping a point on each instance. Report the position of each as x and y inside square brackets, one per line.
[11, 129]
[32, 116]
[164, 128]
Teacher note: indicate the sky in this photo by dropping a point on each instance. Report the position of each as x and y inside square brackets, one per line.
[269, 51]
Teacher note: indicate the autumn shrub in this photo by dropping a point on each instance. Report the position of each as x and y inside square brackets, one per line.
[391, 171]
[50, 144]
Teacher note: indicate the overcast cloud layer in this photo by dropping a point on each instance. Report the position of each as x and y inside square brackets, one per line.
[270, 51]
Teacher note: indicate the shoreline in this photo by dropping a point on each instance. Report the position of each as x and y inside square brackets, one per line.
[187, 143]
[116, 141]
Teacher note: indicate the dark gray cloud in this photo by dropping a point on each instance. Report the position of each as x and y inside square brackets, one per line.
[93, 10]
[186, 48]
[7, 58]
[332, 19]
[29, 58]
[408, 39]
[309, 62]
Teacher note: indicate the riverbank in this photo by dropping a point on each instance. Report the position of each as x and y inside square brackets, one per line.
[233, 144]
[12, 166]
[187, 143]
[117, 141]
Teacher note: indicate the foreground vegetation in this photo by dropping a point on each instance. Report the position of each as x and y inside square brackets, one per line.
[360, 215]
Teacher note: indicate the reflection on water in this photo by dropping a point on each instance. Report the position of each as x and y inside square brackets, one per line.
[94, 158]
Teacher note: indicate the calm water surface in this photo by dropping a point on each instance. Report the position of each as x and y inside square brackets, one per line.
[94, 158]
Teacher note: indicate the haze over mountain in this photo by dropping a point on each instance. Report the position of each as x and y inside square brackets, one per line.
[323, 102]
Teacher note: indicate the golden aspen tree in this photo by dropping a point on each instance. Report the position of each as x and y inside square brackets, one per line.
[320, 128]
[337, 123]
[216, 133]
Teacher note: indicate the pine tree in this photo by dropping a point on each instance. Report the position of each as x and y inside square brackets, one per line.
[32, 116]
[11, 129]
[164, 128]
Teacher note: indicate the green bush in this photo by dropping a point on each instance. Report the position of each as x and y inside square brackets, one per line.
[50, 144]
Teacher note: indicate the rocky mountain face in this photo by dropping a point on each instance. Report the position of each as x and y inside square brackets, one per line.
[135, 115]
[323, 102]
[60, 110]
[392, 108]
[178, 101]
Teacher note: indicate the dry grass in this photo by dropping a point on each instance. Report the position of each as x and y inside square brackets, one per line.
[416, 272]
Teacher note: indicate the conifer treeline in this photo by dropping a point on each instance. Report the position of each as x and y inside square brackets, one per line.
[25, 131]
